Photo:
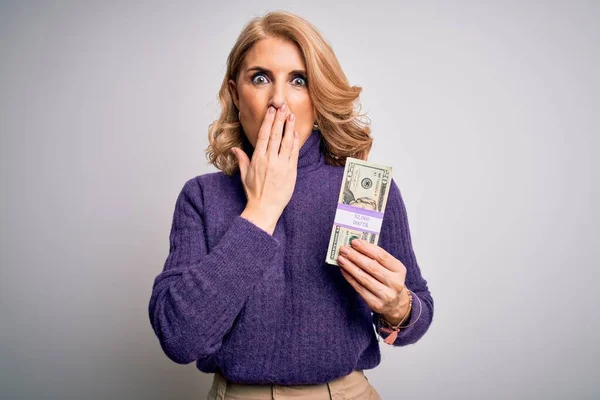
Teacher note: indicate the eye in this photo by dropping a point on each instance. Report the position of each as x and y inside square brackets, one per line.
[258, 75]
[302, 79]
[260, 78]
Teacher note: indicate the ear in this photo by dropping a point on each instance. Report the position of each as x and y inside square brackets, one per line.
[233, 91]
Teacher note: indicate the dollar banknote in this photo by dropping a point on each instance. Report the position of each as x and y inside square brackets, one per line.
[361, 205]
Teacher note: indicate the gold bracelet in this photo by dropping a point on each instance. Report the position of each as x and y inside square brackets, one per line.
[393, 333]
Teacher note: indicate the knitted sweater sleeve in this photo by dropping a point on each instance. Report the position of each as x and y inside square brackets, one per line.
[198, 295]
[395, 239]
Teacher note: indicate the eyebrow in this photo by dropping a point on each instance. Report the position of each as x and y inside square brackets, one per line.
[262, 69]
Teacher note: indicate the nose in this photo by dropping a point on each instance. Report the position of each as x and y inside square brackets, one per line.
[278, 94]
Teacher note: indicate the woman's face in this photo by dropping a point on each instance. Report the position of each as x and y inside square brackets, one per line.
[272, 73]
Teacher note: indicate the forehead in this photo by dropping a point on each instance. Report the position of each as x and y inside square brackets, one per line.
[275, 54]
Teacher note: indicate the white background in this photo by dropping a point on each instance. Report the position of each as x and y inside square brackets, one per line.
[487, 112]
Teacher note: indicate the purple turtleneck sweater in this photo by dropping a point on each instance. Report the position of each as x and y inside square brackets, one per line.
[267, 309]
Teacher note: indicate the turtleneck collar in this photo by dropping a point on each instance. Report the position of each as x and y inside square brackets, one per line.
[311, 154]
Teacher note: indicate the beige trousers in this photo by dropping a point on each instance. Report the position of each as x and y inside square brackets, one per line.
[354, 386]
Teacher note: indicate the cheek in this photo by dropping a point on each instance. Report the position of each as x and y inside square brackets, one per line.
[252, 107]
[303, 108]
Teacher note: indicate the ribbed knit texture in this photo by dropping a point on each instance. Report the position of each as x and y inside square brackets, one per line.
[264, 308]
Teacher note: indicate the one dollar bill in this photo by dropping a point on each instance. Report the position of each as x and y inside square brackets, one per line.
[361, 204]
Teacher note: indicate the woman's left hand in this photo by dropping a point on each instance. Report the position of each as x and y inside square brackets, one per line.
[377, 276]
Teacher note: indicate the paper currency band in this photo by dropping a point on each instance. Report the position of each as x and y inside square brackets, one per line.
[358, 218]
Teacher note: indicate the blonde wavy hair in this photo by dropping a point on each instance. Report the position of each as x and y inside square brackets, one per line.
[335, 102]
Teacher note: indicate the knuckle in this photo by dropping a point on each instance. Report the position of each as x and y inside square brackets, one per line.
[372, 265]
[402, 268]
[386, 280]
[276, 131]
[263, 134]
[387, 297]
[402, 276]
[383, 257]
[285, 146]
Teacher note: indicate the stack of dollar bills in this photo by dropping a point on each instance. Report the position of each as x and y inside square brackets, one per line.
[361, 205]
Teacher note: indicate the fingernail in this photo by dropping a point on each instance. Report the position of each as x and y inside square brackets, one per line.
[271, 110]
[283, 108]
[343, 250]
[355, 242]
[292, 117]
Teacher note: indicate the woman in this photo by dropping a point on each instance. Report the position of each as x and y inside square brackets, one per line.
[245, 291]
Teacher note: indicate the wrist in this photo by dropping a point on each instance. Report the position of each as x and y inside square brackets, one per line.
[401, 314]
[261, 219]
